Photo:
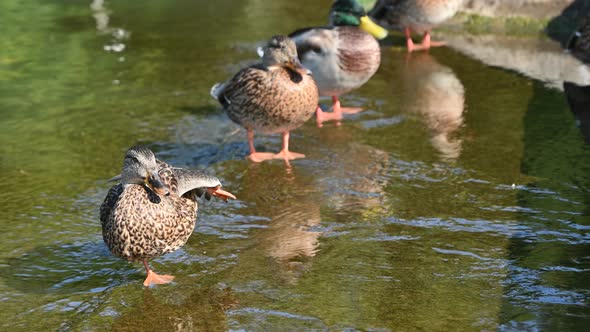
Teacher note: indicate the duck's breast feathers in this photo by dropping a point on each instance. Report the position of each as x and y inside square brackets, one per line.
[358, 52]
[189, 180]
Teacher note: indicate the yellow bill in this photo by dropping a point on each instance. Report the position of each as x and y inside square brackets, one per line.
[371, 27]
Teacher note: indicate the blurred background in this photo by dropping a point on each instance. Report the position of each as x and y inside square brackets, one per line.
[458, 200]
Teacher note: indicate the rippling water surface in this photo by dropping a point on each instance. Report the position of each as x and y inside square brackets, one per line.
[457, 201]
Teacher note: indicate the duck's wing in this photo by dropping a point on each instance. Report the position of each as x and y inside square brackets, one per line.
[388, 12]
[310, 40]
[109, 202]
[199, 183]
[226, 91]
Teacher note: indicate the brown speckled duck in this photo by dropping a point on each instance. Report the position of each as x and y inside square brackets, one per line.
[342, 56]
[579, 42]
[419, 16]
[153, 210]
[276, 96]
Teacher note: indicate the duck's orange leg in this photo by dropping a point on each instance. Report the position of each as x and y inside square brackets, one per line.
[256, 156]
[153, 278]
[336, 114]
[285, 153]
[426, 44]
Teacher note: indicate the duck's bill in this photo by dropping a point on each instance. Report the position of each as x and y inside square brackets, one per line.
[220, 193]
[373, 28]
[296, 65]
[157, 186]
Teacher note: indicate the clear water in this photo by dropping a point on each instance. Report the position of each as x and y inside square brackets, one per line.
[457, 201]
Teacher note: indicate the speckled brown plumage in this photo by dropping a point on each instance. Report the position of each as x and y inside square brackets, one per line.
[269, 99]
[153, 210]
[275, 96]
[138, 223]
[579, 42]
[418, 15]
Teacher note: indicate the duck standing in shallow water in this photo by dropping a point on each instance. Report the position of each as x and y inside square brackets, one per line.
[153, 210]
[415, 15]
[276, 96]
[342, 56]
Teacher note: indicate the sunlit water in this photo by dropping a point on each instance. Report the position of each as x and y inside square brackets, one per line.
[457, 201]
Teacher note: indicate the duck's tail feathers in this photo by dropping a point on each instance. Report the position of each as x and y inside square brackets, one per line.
[217, 90]
[115, 178]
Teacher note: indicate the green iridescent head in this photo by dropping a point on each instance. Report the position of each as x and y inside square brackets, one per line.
[351, 13]
[346, 12]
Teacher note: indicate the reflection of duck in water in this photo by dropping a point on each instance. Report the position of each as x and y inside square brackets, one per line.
[578, 96]
[415, 15]
[355, 184]
[203, 309]
[436, 94]
[294, 209]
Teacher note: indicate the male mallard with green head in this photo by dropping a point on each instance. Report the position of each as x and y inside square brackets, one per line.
[415, 15]
[275, 96]
[342, 56]
[153, 209]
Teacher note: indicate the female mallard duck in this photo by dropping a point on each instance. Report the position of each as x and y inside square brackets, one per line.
[415, 15]
[153, 210]
[342, 56]
[579, 42]
[277, 95]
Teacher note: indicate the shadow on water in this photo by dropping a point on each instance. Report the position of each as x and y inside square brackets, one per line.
[202, 309]
[549, 273]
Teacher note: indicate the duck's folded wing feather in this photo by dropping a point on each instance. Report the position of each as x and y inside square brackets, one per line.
[309, 40]
[189, 180]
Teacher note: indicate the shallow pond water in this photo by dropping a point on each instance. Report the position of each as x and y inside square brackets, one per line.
[457, 201]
